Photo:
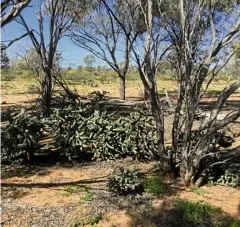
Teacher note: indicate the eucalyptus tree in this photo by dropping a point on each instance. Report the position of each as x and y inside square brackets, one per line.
[30, 61]
[55, 18]
[102, 36]
[146, 38]
[199, 31]
[11, 9]
[89, 60]
[194, 34]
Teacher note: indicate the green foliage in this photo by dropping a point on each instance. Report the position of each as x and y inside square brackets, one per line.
[133, 135]
[228, 175]
[91, 220]
[87, 197]
[21, 136]
[85, 77]
[69, 128]
[89, 60]
[72, 189]
[107, 138]
[199, 191]
[141, 135]
[236, 50]
[223, 77]
[124, 181]
[230, 178]
[8, 75]
[188, 213]
[155, 186]
[80, 130]
[227, 222]
[68, 100]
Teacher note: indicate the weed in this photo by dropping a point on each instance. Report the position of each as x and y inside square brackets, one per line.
[124, 181]
[199, 191]
[87, 197]
[91, 220]
[188, 213]
[228, 222]
[72, 189]
[155, 186]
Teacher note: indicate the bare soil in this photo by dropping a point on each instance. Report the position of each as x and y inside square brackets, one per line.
[53, 196]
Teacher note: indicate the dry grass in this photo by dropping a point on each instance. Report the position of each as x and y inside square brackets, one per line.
[16, 86]
[20, 86]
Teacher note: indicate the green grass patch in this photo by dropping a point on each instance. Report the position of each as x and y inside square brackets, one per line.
[87, 197]
[91, 220]
[188, 213]
[199, 191]
[155, 186]
[72, 189]
[227, 222]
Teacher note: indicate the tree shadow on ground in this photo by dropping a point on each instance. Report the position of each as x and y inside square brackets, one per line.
[134, 203]
[182, 213]
[46, 157]
[22, 171]
[229, 105]
[239, 209]
[13, 193]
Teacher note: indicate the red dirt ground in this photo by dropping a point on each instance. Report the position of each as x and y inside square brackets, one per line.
[226, 198]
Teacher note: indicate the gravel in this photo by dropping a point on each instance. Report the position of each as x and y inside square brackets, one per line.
[45, 216]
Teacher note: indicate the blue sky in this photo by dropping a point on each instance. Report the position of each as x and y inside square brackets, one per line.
[72, 55]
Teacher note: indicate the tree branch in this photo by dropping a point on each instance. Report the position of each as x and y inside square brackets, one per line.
[16, 9]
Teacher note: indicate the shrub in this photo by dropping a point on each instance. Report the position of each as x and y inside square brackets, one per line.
[133, 135]
[70, 131]
[141, 139]
[21, 136]
[81, 129]
[98, 95]
[8, 75]
[108, 138]
[188, 213]
[155, 186]
[227, 174]
[227, 222]
[124, 181]
[230, 178]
